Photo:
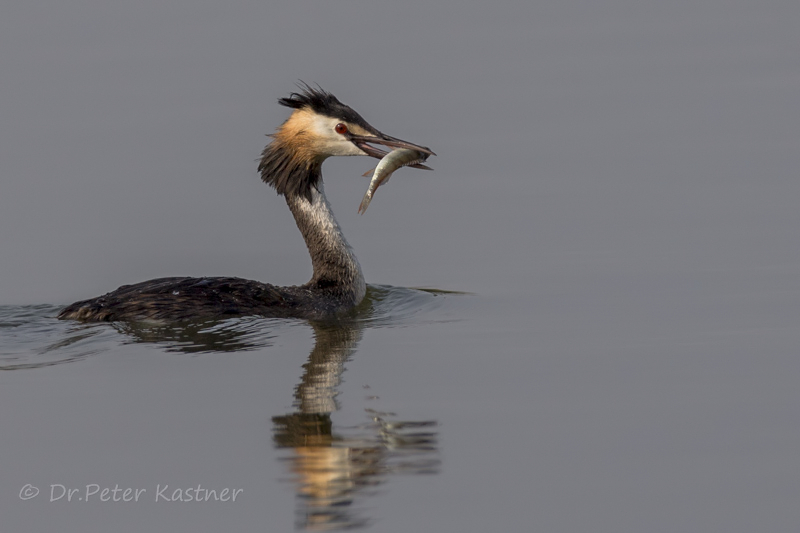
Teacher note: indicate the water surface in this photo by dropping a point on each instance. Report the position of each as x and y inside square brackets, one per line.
[614, 199]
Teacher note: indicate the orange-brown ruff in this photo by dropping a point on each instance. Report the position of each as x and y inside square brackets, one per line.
[319, 127]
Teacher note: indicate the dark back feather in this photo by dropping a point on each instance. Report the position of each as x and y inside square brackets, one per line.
[189, 298]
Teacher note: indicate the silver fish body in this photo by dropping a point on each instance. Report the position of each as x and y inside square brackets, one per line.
[395, 159]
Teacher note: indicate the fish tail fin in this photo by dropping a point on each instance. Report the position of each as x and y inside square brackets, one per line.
[364, 204]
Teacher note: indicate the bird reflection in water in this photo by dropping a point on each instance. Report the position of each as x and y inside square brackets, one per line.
[207, 336]
[333, 470]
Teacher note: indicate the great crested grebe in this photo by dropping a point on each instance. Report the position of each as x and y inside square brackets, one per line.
[319, 127]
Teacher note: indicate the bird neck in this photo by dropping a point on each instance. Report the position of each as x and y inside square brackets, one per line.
[336, 268]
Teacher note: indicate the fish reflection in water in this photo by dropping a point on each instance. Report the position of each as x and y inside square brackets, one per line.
[333, 469]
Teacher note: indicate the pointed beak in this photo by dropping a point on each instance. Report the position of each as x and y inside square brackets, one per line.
[364, 143]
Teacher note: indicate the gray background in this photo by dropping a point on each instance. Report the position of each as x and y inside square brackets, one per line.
[650, 134]
[617, 186]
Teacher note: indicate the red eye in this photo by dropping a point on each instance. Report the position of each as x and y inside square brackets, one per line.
[340, 129]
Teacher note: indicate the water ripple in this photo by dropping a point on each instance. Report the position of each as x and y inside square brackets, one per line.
[31, 336]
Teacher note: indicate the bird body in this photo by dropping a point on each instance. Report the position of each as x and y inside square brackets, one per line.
[320, 127]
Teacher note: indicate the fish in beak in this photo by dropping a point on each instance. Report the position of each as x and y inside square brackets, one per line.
[364, 142]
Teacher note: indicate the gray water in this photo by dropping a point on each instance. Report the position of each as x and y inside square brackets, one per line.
[609, 339]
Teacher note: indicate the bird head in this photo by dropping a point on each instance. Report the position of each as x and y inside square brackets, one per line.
[320, 127]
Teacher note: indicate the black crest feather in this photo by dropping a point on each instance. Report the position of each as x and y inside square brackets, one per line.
[316, 98]
[321, 101]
